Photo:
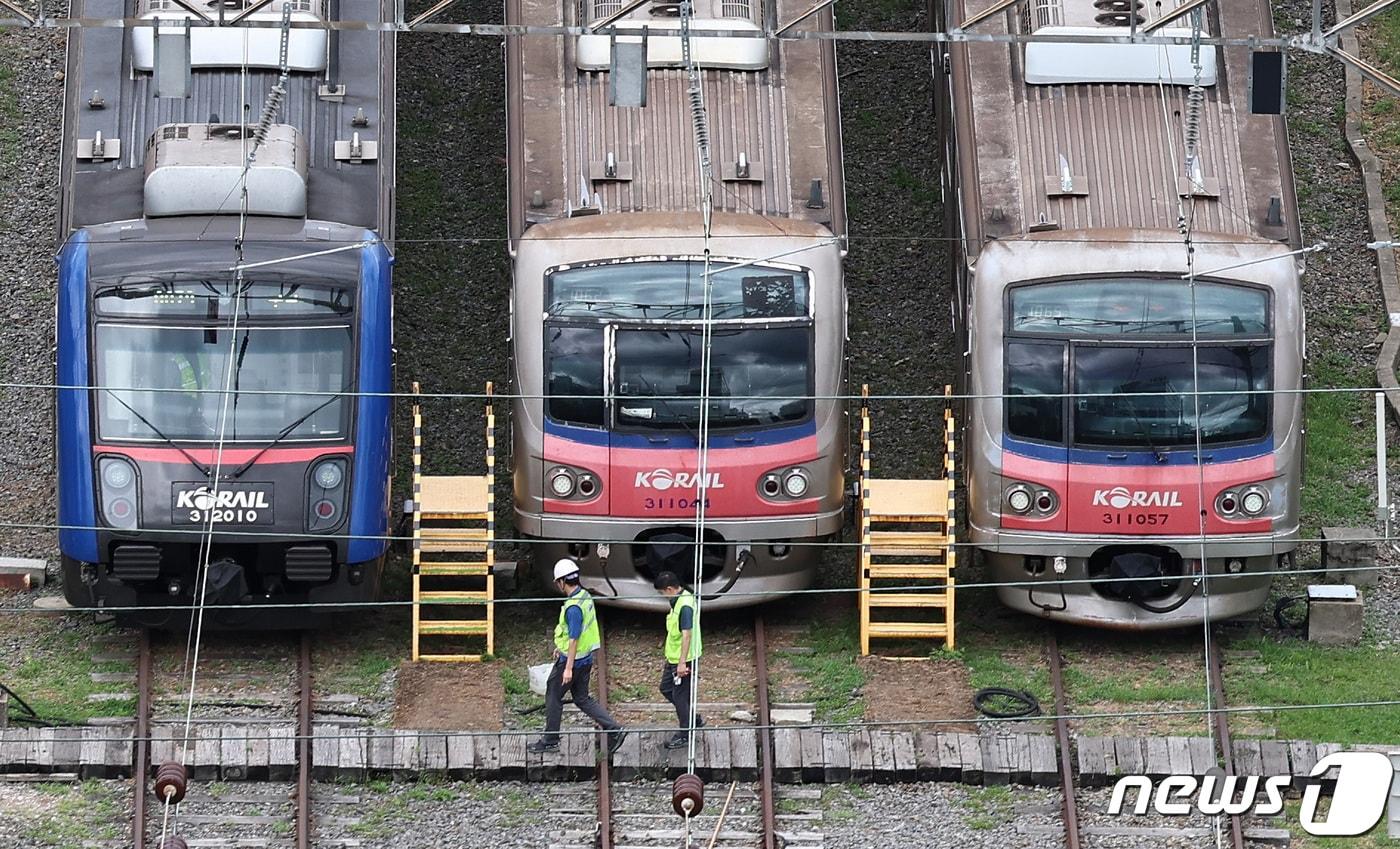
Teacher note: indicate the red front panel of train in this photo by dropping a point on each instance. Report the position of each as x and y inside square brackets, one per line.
[663, 482]
[1136, 500]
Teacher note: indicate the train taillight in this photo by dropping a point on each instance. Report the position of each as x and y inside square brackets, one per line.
[118, 491]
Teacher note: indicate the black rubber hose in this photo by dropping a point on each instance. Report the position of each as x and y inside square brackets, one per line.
[1281, 608]
[1167, 608]
[988, 699]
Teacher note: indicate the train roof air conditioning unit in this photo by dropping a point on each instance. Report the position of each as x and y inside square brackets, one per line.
[230, 46]
[662, 20]
[1063, 63]
[197, 169]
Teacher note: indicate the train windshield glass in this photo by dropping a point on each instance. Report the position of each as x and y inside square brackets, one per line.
[1120, 307]
[160, 383]
[758, 377]
[212, 300]
[674, 290]
[1145, 396]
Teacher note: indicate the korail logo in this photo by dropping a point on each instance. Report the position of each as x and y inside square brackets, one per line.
[1358, 803]
[1120, 497]
[664, 479]
[200, 498]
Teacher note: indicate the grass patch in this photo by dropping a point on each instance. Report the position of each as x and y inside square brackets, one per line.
[1335, 455]
[988, 807]
[378, 817]
[9, 111]
[1301, 673]
[54, 674]
[1374, 839]
[1001, 649]
[79, 814]
[830, 670]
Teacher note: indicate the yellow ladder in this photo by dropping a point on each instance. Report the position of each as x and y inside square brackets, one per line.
[454, 550]
[907, 547]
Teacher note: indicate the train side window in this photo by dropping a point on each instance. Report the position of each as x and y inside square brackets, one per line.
[574, 367]
[1035, 384]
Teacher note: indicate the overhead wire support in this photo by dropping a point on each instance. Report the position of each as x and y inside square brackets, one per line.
[815, 8]
[990, 11]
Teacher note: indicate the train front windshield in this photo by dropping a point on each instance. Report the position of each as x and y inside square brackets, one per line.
[171, 366]
[1147, 363]
[641, 320]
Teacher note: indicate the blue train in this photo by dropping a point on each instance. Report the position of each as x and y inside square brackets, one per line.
[225, 317]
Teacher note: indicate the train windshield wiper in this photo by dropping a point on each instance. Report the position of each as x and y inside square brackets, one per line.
[607, 308]
[203, 469]
[285, 432]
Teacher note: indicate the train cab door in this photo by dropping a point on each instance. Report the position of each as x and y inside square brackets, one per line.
[1035, 456]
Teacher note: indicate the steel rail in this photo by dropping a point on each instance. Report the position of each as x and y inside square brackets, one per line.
[303, 792]
[141, 768]
[765, 735]
[1214, 668]
[600, 667]
[1071, 805]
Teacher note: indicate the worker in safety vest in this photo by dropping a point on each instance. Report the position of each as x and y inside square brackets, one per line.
[678, 675]
[576, 637]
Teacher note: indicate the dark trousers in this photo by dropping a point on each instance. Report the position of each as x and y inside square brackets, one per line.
[680, 694]
[578, 688]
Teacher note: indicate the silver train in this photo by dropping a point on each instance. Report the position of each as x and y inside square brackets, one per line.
[607, 299]
[1101, 486]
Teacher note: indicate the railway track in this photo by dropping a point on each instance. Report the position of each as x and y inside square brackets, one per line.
[640, 815]
[248, 814]
[1077, 833]
[1215, 672]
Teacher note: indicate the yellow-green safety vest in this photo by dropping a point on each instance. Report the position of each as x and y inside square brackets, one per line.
[589, 640]
[673, 628]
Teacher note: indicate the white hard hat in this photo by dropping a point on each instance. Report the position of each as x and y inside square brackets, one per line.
[565, 568]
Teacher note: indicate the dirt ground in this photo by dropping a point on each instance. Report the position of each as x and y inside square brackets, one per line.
[634, 641]
[450, 696]
[917, 689]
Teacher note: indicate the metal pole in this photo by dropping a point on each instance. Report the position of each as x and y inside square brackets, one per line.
[303, 800]
[769, 838]
[1057, 683]
[1382, 483]
[143, 738]
[600, 666]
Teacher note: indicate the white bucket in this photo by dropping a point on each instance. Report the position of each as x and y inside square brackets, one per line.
[539, 678]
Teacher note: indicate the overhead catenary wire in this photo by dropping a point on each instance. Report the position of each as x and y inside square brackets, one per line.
[700, 126]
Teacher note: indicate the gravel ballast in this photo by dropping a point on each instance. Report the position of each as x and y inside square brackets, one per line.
[31, 94]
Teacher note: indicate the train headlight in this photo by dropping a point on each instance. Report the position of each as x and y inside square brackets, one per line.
[1254, 501]
[1019, 498]
[116, 474]
[117, 492]
[1228, 503]
[325, 494]
[795, 484]
[562, 483]
[328, 475]
[1045, 501]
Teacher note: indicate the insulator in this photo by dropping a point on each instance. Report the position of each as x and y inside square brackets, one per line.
[268, 117]
[174, 843]
[688, 795]
[171, 781]
[1195, 103]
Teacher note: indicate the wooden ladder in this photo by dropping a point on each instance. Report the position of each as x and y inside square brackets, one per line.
[454, 552]
[907, 547]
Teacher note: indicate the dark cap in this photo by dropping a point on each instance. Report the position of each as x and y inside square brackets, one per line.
[666, 580]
